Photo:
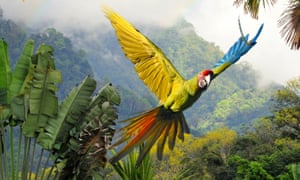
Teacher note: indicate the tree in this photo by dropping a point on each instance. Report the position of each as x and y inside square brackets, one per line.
[66, 140]
[248, 169]
[289, 20]
[286, 109]
[205, 158]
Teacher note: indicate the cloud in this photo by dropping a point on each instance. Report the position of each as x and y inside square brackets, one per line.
[215, 21]
[88, 13]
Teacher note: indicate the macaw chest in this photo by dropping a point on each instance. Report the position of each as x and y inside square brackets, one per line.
[180, 99]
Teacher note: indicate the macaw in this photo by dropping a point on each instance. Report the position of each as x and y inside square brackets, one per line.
[165, 122]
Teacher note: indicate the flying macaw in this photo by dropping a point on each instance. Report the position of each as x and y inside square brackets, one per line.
[163, 123]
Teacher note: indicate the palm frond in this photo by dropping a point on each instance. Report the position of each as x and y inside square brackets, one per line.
[252, 6]
[290, 24]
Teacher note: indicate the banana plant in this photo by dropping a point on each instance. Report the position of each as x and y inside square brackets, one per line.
[42, 138]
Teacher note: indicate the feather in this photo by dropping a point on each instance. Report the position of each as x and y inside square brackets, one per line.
[162, 140]
[172, 135]
[139, 49]
[166, 122]
[150, 127]
[235, 52]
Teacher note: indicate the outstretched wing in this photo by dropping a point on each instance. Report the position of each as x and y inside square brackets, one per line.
[241, 47]
[152, 66]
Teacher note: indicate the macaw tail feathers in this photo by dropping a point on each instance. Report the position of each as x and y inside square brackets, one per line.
[156, 125]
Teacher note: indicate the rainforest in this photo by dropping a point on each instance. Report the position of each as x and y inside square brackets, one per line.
[239, 129]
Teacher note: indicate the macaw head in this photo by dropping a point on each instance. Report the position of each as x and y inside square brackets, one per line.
[204, 78]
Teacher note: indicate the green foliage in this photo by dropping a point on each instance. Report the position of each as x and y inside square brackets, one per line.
[5, 73]
[231, 100]
[249, 170]
[127, 170]
[189, 53]
[295, 168]
[70, 112]
[286, 109]
[267, 149]
[88, 142]
[43, 103]
[21, 82]
[205, 158]
[72, 63]
[75, 134]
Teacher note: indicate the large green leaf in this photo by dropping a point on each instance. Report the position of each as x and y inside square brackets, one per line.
[101, 108]
[21, 71]
[100, 116]
[97, 134]
[107, 93]
[43, 104]
[5, 78]
[21, 81]
[89, 143]
[70, 115]
[5, 73]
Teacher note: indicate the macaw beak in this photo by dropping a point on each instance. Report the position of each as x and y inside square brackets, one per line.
[208, 78]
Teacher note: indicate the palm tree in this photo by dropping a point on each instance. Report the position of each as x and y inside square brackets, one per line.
[42, 138]
[289, 21]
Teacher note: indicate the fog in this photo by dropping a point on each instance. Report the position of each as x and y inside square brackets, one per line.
[214, 20]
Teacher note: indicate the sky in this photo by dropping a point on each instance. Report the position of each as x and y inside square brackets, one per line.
[214, 20]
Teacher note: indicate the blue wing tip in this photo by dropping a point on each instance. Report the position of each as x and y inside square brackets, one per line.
[234, 50]
[258, 33]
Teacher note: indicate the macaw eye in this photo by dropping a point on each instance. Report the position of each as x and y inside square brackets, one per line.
[202, 83]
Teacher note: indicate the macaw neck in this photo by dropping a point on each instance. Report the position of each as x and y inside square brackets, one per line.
[191, 85]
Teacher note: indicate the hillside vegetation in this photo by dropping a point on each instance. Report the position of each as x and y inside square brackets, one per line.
[239, 131]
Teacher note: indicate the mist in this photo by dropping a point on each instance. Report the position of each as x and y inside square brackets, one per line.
[215, 21]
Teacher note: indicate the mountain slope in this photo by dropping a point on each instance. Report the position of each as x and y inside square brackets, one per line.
[231, 100]
[72, 62]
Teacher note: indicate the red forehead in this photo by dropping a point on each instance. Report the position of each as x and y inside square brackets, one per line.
[206, 72]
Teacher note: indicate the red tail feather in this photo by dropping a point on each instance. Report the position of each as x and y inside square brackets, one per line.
[152, 126]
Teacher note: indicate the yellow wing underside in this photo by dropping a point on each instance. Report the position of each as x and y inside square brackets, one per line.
[152, 66]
